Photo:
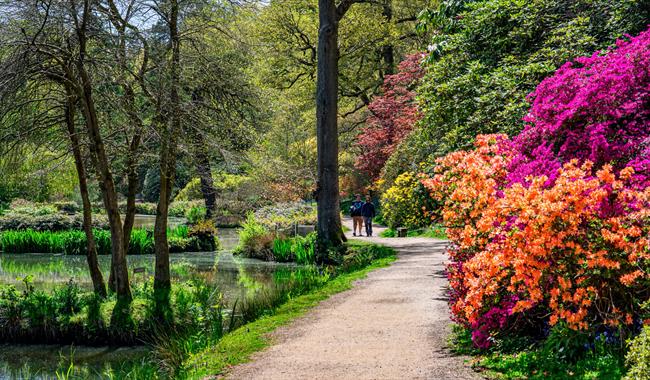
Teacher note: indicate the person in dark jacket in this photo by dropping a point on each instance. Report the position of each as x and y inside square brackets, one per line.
[355, 213]
[368, 212]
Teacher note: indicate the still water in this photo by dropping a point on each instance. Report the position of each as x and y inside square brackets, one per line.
[232, 275]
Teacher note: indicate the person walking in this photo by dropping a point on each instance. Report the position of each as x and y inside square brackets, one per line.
[368, 212]
[355, 213]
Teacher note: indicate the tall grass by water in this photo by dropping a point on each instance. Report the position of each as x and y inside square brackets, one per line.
[298, 249]
[74, 242]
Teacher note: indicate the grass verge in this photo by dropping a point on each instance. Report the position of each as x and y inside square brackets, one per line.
[238, 346]
[435, 232]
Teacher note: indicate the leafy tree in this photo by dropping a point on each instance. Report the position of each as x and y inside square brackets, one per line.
[393, 115]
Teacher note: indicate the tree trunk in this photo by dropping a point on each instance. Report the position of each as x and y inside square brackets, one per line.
[207, 182]
[102, 165]
[330, 233]
[129, 102]
[91, 255]
[170, 128]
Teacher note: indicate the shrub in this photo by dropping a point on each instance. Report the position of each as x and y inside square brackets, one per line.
[594, 108]
[542, 250]
[255, 239]
[283, 216]
[195, 214]
[205, 235]
[541, 233]
[393, 115]
[12, 220]
[405, 204]
[638, 356]
[488, 55]
[297, 249]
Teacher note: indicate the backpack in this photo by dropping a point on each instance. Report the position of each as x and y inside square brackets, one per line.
[355, 209]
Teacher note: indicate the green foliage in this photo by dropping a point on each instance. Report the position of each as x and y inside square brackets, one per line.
[283, 216]
[405, 204]
[435, 231]
[255, 239]
[204, 233]
[558, 357]
[195, 214]
[360, 255]
[36, 173]
[298, 249]
[73, 242]
[57, 216]
[638, 356]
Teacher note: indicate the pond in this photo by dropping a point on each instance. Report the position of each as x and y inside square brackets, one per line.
[148, 221]
[233, 276]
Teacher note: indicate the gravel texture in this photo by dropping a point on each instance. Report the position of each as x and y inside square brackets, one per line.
[392, 325]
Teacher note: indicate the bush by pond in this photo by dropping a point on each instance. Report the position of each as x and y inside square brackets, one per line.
[181, 239]
[13, 220]
[265, 234]
[284, 216]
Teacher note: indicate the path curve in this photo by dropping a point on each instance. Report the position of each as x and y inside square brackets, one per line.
[392, 325]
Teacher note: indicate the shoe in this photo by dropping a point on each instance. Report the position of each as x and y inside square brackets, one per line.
[354, 234]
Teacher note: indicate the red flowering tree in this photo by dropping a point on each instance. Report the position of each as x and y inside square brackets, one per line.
[394, 114]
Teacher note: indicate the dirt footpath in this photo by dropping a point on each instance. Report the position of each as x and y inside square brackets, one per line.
[392, 325]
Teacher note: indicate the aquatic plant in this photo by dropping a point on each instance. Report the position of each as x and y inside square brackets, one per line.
[74, 242]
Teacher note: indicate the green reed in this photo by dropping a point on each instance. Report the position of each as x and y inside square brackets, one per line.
[74, 242]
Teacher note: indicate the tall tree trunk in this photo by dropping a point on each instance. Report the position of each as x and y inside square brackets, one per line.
[129, 102]
[102, 165]
[170, 128]
[207, 182]
[91, 254]
[330, 233]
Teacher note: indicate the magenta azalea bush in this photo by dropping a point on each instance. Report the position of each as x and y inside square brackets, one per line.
[595, 108]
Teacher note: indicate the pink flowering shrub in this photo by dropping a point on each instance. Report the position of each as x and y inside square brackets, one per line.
[595, 108]
[553, 226]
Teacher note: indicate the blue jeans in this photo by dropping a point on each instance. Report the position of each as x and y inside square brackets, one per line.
[368, 222]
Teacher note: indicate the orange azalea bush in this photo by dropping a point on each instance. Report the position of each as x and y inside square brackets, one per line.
[575, 251]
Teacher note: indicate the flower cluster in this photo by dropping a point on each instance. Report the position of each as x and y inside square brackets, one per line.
[554, 225]
[595, 108]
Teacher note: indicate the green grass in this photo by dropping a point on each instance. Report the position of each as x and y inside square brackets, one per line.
[239, 345]
[434, 232]
[73, 242]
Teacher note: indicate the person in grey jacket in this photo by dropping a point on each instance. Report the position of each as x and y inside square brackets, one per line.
[368, 212]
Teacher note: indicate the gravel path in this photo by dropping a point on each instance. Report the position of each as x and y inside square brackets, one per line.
[392, 325]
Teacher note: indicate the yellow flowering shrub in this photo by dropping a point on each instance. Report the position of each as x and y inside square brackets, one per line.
[403, 204]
